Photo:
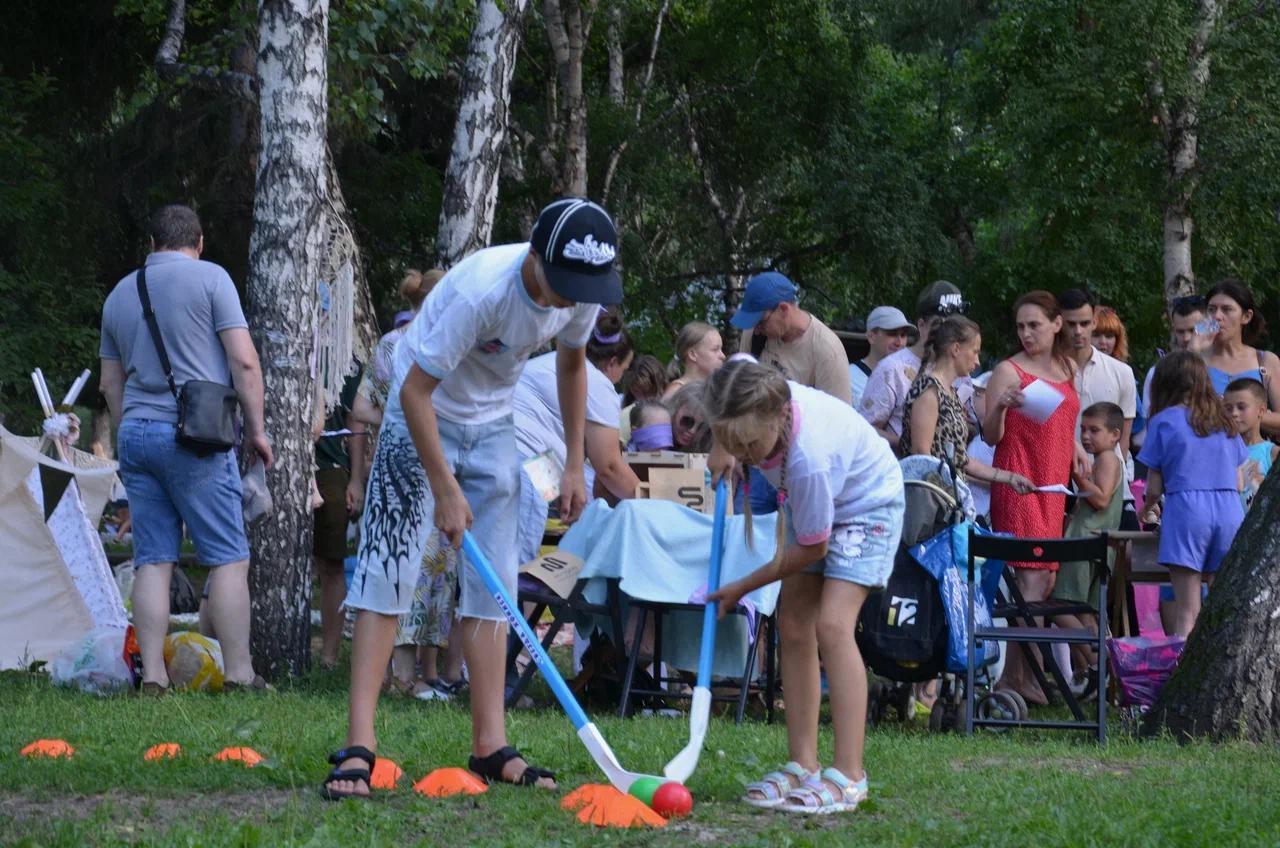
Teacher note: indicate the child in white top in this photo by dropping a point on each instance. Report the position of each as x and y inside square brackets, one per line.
[841, 497]
[448, 447]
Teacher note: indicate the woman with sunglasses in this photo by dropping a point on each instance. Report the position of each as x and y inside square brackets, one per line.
[1233, 353]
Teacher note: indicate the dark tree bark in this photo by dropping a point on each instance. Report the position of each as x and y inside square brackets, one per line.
[290, 204]
[471, 178]
[1227, 684]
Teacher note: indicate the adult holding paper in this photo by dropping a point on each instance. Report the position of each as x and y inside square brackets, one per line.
[935, 418]
[1031, 417]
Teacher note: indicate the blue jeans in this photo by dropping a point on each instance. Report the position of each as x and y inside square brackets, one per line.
[169, 486]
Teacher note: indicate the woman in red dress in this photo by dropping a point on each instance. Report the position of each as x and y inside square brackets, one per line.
[1041, 452]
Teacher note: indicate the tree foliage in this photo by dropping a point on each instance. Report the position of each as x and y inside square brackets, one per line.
[863, 148]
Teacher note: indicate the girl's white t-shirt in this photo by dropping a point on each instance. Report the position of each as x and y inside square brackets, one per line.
[838, 466]
[475, 332]
[536, 404]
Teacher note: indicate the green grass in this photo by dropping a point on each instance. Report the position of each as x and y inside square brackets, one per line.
[1018, 789]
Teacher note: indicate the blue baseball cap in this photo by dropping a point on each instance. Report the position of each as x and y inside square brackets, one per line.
[764, 292]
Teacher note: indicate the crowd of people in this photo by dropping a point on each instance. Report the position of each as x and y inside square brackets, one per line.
[468, 390]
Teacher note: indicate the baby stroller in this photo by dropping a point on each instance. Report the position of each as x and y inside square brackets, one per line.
[905, 631]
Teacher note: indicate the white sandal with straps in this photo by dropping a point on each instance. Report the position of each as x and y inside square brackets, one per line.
[815, 798]
[774, 786]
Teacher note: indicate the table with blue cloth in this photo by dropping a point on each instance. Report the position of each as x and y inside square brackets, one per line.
[661, 551]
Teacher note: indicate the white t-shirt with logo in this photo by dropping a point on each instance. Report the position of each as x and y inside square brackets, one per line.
[536, 403]
[884, 398]
[838, 467]
[474, 333]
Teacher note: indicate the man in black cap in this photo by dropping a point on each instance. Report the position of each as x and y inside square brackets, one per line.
[885, 397]
[446, 461]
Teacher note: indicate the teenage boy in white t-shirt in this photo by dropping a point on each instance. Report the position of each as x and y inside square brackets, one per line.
[446, 461]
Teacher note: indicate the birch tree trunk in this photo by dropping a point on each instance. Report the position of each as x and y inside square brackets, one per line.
[289, 206]
[1227, 684]
[471, 179]
[568, 25]
[1180, 122]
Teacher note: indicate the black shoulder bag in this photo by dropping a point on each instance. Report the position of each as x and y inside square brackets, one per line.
[206, 410]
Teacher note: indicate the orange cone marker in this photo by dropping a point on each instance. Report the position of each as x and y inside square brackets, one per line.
[445, 782]
[48, 748]
[386, 774]
[248, 756]
[604, 806]
[163, 751]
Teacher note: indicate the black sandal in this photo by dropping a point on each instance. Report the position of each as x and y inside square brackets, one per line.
[490, 768]
[355, 752]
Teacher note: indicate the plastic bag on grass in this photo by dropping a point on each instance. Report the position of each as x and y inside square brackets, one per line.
[1141, 666]
[94, 664]
[194, 662]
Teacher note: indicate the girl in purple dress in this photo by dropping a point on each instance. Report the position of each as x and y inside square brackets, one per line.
[1193, 456]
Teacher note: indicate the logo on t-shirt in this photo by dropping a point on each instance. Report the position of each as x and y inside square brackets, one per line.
[493, 346]
[589, 250]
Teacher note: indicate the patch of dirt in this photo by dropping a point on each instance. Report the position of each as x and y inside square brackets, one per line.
[128, 810]
[1078, 765]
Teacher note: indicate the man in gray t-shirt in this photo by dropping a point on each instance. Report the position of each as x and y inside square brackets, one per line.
[194, 302]
[205, 335]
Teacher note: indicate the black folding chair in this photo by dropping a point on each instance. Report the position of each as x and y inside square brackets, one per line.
[563, 611]
[1024, 632]
[765, 636]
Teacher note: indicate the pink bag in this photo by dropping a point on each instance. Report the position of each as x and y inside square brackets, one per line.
[1141, 665]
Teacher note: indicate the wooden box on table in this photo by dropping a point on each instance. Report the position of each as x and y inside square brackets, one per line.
[674, 476]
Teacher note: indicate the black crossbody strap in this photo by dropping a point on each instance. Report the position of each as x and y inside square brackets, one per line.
[150, 315]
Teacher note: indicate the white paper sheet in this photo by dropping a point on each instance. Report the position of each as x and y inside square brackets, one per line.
[1055, 489]
[1040, 400]
[545, 471]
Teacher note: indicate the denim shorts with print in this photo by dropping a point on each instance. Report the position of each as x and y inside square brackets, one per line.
[862, 551]
[398, 522]
[169, 486]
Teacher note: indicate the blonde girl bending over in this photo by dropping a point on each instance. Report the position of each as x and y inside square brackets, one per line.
[840, 498]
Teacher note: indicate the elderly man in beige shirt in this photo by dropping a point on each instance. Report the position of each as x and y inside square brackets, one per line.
[795, 342]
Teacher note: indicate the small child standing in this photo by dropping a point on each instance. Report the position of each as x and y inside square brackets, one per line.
[1246, 400]
[1193, 457]
[841, 500]
[1098, 507]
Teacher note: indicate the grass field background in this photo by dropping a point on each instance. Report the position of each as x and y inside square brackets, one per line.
[926, 789]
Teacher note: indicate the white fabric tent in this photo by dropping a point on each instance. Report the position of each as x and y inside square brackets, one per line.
[55, 582]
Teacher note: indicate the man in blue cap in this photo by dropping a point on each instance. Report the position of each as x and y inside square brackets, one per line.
[790, 339]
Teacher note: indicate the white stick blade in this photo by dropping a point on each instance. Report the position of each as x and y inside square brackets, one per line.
[682, 764]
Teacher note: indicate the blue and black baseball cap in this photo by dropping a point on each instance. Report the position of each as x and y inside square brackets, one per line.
[578, 244]
[764, 292]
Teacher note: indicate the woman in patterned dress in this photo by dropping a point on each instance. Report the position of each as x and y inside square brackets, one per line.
[934, 417]
[1042, 452]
